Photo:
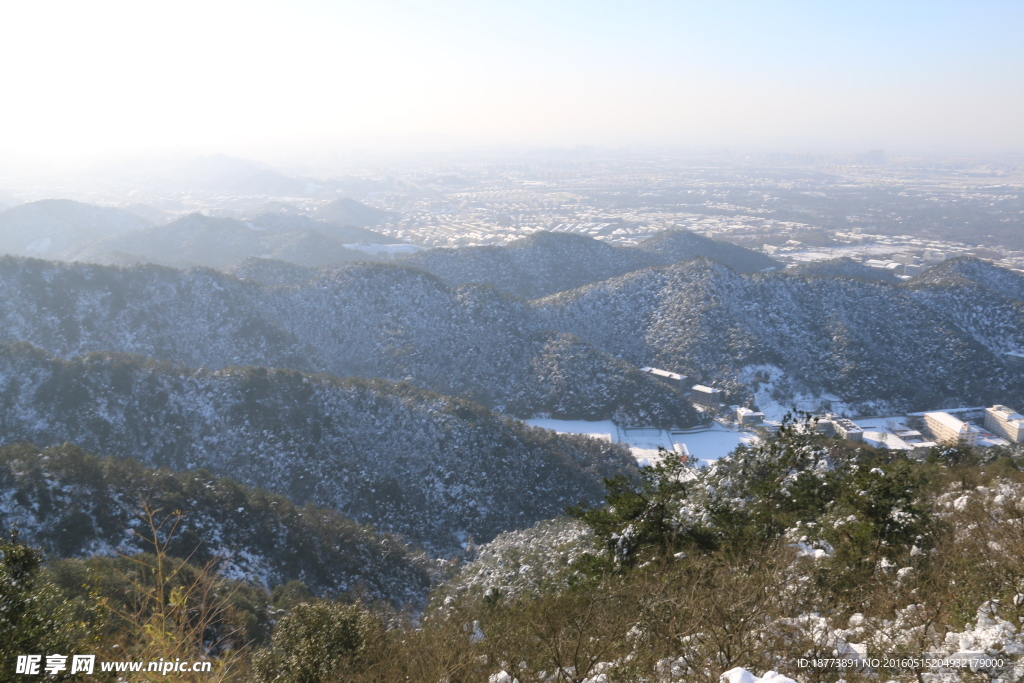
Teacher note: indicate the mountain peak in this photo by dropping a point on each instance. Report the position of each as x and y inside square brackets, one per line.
[968, 271]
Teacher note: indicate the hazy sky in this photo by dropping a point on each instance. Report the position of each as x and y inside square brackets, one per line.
[127, 77]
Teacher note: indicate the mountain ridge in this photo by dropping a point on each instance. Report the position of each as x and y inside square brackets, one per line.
[200, 240]
[536, 265]
[365, 319]
[919, 344]
[915, 344]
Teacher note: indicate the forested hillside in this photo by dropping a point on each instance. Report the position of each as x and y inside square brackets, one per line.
[370, 320]
[437, 470]
[843, 267]
[74, 504]
[545, 262]
[915, 346]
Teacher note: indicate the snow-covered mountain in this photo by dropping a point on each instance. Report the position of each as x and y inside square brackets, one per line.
[919, 345]
[573, 355]
[545, 263]
[365, 319]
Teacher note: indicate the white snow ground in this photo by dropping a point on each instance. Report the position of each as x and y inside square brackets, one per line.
[703, 445]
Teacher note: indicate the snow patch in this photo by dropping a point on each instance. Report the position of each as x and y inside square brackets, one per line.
[700, 445]
[776, 393]
[741, 675]
[39, 246]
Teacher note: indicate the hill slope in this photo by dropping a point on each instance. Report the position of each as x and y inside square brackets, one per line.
[859, 341]
[371, 320]
[272, 272]
[345, 211]
[844, 267]
[682, 245]
[73, 504]
[278, 223]
[984, 300]
[545, 263]
[432, 468]
[530, 267]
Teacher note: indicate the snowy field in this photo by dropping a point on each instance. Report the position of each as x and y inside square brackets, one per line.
[828, 253]
[716, 442]
[703, 445]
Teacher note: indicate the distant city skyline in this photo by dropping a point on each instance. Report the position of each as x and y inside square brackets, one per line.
[116, 79]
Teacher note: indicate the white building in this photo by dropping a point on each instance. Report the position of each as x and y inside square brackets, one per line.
[673, 379]
[947, 429]
[1005, 422]
[847, 429]
[746, 416]
[706, 396]
[886, 441]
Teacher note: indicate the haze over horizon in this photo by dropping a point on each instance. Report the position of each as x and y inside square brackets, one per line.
[258, 79]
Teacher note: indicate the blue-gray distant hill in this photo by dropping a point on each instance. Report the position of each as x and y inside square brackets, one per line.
[345, 211]
[199, 240]
[545, 263]
[224, 175]
[49, 227]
